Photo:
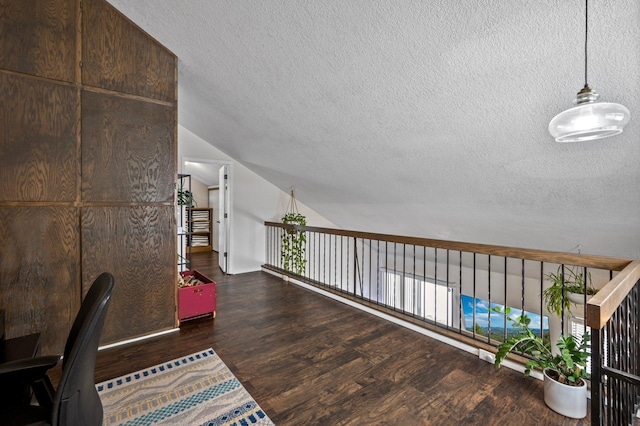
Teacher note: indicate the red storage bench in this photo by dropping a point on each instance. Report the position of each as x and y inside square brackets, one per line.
[196, 301]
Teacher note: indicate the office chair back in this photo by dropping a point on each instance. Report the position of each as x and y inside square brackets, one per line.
[76, 400]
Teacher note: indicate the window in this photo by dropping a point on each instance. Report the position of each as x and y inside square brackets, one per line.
[420, 296]
[577, 329]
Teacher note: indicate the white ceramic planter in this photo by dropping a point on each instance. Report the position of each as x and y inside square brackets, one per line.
[570, 401]
[576, 298]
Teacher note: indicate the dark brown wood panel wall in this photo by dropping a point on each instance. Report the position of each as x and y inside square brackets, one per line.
[39, 37]
[38, 131]
[128, 149]
[73, 202]
[129, 126]
[138, 245]
[39, 271]
[119, 56]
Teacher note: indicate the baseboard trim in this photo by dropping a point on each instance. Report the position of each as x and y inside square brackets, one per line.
[137, 339]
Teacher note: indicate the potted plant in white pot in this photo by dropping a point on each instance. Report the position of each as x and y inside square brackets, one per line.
[565, 389]
[566, 289]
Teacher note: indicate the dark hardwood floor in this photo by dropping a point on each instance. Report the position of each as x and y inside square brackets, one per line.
[309, 360]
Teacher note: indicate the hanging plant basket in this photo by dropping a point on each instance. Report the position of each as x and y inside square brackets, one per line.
[292, 252]
[568, 287]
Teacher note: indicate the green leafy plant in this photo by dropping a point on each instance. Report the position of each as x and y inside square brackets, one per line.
[293, 244]
[567, 367]
[185, 198]
[556, 298]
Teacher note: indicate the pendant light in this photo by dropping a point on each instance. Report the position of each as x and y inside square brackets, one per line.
[589, 120]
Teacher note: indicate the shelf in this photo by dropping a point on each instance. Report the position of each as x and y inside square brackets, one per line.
[200, 226]
[184, 254]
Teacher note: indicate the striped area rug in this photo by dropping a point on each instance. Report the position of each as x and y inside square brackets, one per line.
[198, 389]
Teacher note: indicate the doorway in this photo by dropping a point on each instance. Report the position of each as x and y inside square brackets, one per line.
[216, 175]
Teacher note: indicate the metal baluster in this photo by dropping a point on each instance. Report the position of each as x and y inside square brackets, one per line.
[460, 291]
[489, 297]
[617, 393]
[312, 269]
[563, 296]
[403, 289]
[474, 296]
[335, 261]
[384, 275]
[324, 258]
[541, 300]
[596, 384]
[370, 266]
[609, 384]
[378, 273]
[447, 292]
[585, 284]
[395, 276]
[355, 265]
[435, 287]
[423, 300]
[504, 317]
[347, 264]
[414, 282]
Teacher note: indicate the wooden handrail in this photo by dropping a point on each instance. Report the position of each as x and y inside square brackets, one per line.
[589, 261]
[602, 306]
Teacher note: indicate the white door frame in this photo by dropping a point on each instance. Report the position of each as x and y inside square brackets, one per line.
[228, 234]
[224, 216]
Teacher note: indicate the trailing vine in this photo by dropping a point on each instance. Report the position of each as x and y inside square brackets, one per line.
[292, 251]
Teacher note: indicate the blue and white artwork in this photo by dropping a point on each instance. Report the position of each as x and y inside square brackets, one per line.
[486, 322]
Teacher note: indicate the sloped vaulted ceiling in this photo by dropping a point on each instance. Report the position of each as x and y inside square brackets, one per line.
[418, 117]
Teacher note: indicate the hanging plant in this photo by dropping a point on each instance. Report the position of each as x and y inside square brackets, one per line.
[292, 251]
[568, 287]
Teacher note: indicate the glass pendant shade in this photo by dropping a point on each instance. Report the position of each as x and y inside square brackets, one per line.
[589, 121]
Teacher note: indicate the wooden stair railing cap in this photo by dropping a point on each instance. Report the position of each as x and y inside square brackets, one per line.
[604, 303]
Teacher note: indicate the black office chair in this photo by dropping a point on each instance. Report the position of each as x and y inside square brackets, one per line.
[76, 401]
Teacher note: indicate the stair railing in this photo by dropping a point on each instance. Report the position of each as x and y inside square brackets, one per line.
[397, 273]
[613, 315]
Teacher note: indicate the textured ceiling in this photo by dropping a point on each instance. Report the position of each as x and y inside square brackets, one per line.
[418, 117]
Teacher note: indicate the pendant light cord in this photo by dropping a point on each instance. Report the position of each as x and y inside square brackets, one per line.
[586, 36]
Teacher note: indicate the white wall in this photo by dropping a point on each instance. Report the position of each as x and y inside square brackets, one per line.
[200, 193]
[253, 201]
